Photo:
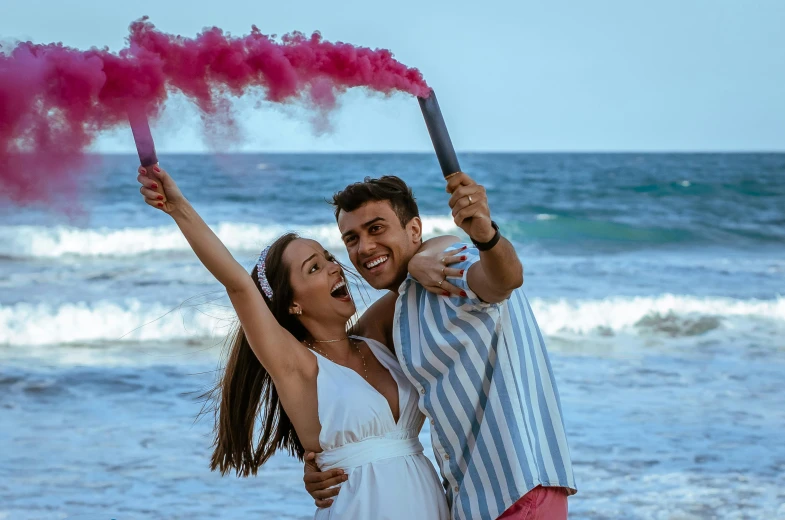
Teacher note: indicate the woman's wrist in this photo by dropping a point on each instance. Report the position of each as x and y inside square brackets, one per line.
[182, 210]
[415, 262]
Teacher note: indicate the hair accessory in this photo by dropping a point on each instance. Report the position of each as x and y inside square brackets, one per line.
[263, 283]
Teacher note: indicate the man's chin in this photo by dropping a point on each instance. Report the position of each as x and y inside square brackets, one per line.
[377, 282]
[384, 281]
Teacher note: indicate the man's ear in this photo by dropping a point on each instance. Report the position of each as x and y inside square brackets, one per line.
[414, 227]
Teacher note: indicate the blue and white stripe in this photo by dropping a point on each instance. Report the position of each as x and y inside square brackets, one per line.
[486, 385]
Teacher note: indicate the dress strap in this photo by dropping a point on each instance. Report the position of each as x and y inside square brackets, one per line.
[379, 350]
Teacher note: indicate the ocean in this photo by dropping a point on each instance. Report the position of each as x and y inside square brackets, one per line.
[658, 280]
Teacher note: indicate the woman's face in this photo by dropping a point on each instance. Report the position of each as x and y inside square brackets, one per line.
[318, 282]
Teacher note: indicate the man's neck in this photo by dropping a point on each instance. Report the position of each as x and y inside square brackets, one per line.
[400, 278]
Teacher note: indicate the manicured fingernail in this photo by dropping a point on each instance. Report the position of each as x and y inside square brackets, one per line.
[461, 273]
[160, 197]
[445, 293]
[463, 258]
[155, 186]
[157, 169]
[160, 204]
[463, 293]
[464, 247]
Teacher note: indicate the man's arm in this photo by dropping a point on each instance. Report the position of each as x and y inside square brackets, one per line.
[497, 274]
[499, 271]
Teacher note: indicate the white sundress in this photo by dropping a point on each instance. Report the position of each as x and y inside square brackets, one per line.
[389, 477]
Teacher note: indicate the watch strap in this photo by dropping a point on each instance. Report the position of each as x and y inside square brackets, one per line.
[485, 246]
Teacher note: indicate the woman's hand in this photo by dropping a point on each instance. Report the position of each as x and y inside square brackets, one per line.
[159, 189]
[432, 271]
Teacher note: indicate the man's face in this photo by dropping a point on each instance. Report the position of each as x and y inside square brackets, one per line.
[378, 246]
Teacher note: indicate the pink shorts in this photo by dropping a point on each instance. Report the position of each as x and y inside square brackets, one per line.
[541, 503]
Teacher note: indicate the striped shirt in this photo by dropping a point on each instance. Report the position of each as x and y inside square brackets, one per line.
[486, 385]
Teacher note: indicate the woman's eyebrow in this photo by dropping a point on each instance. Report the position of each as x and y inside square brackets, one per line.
[306, 260]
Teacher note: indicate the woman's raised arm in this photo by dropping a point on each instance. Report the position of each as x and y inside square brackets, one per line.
[276, 348]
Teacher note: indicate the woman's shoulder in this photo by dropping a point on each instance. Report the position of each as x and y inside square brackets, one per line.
[376, 322]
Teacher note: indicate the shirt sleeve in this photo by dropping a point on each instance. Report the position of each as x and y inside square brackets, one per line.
[472, 255]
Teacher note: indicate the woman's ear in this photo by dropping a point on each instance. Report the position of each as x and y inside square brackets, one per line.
[295, 309]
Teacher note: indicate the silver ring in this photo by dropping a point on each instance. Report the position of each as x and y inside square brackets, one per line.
[443, 268]
[440, 283]
[470, 199]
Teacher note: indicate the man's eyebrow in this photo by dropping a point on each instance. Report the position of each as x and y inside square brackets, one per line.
[377, 219]
[306, 260]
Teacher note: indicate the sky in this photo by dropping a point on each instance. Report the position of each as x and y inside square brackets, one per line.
[562, 75]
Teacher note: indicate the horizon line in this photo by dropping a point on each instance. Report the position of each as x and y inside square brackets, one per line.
[487, 152]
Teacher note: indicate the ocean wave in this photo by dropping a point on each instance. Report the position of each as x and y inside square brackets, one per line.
[550, 227]
[668, 314]
[131, 320]
[57, 241]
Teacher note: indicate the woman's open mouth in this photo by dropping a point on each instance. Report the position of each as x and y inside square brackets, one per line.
[340, 291]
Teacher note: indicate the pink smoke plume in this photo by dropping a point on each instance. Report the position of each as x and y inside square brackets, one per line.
[54, 100]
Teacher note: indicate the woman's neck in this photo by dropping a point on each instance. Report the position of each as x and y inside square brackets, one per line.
[339, 352]
[323, 339]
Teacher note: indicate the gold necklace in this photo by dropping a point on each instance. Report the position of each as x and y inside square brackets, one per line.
[327, 340]
[351, 340]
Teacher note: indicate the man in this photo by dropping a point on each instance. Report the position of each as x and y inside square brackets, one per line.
[478, 360]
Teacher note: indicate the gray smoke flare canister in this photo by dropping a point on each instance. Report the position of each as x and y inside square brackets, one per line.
[439, 135]
[145, 146]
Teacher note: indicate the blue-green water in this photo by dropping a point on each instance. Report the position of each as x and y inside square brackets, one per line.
[658, 280]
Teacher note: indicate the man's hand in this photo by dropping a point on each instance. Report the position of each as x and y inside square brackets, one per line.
[470, 209]
[322, 485]
[499, 271]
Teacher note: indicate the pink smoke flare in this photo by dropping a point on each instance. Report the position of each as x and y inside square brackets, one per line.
[55, 100]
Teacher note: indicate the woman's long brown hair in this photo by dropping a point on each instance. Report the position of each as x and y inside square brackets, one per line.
[246, 390]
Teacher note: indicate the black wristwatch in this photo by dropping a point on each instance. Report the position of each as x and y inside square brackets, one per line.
[485, 246]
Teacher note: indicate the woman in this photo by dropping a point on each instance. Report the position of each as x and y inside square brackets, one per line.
[343, 397]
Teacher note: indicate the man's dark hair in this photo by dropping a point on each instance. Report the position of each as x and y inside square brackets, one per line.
[388, 187]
